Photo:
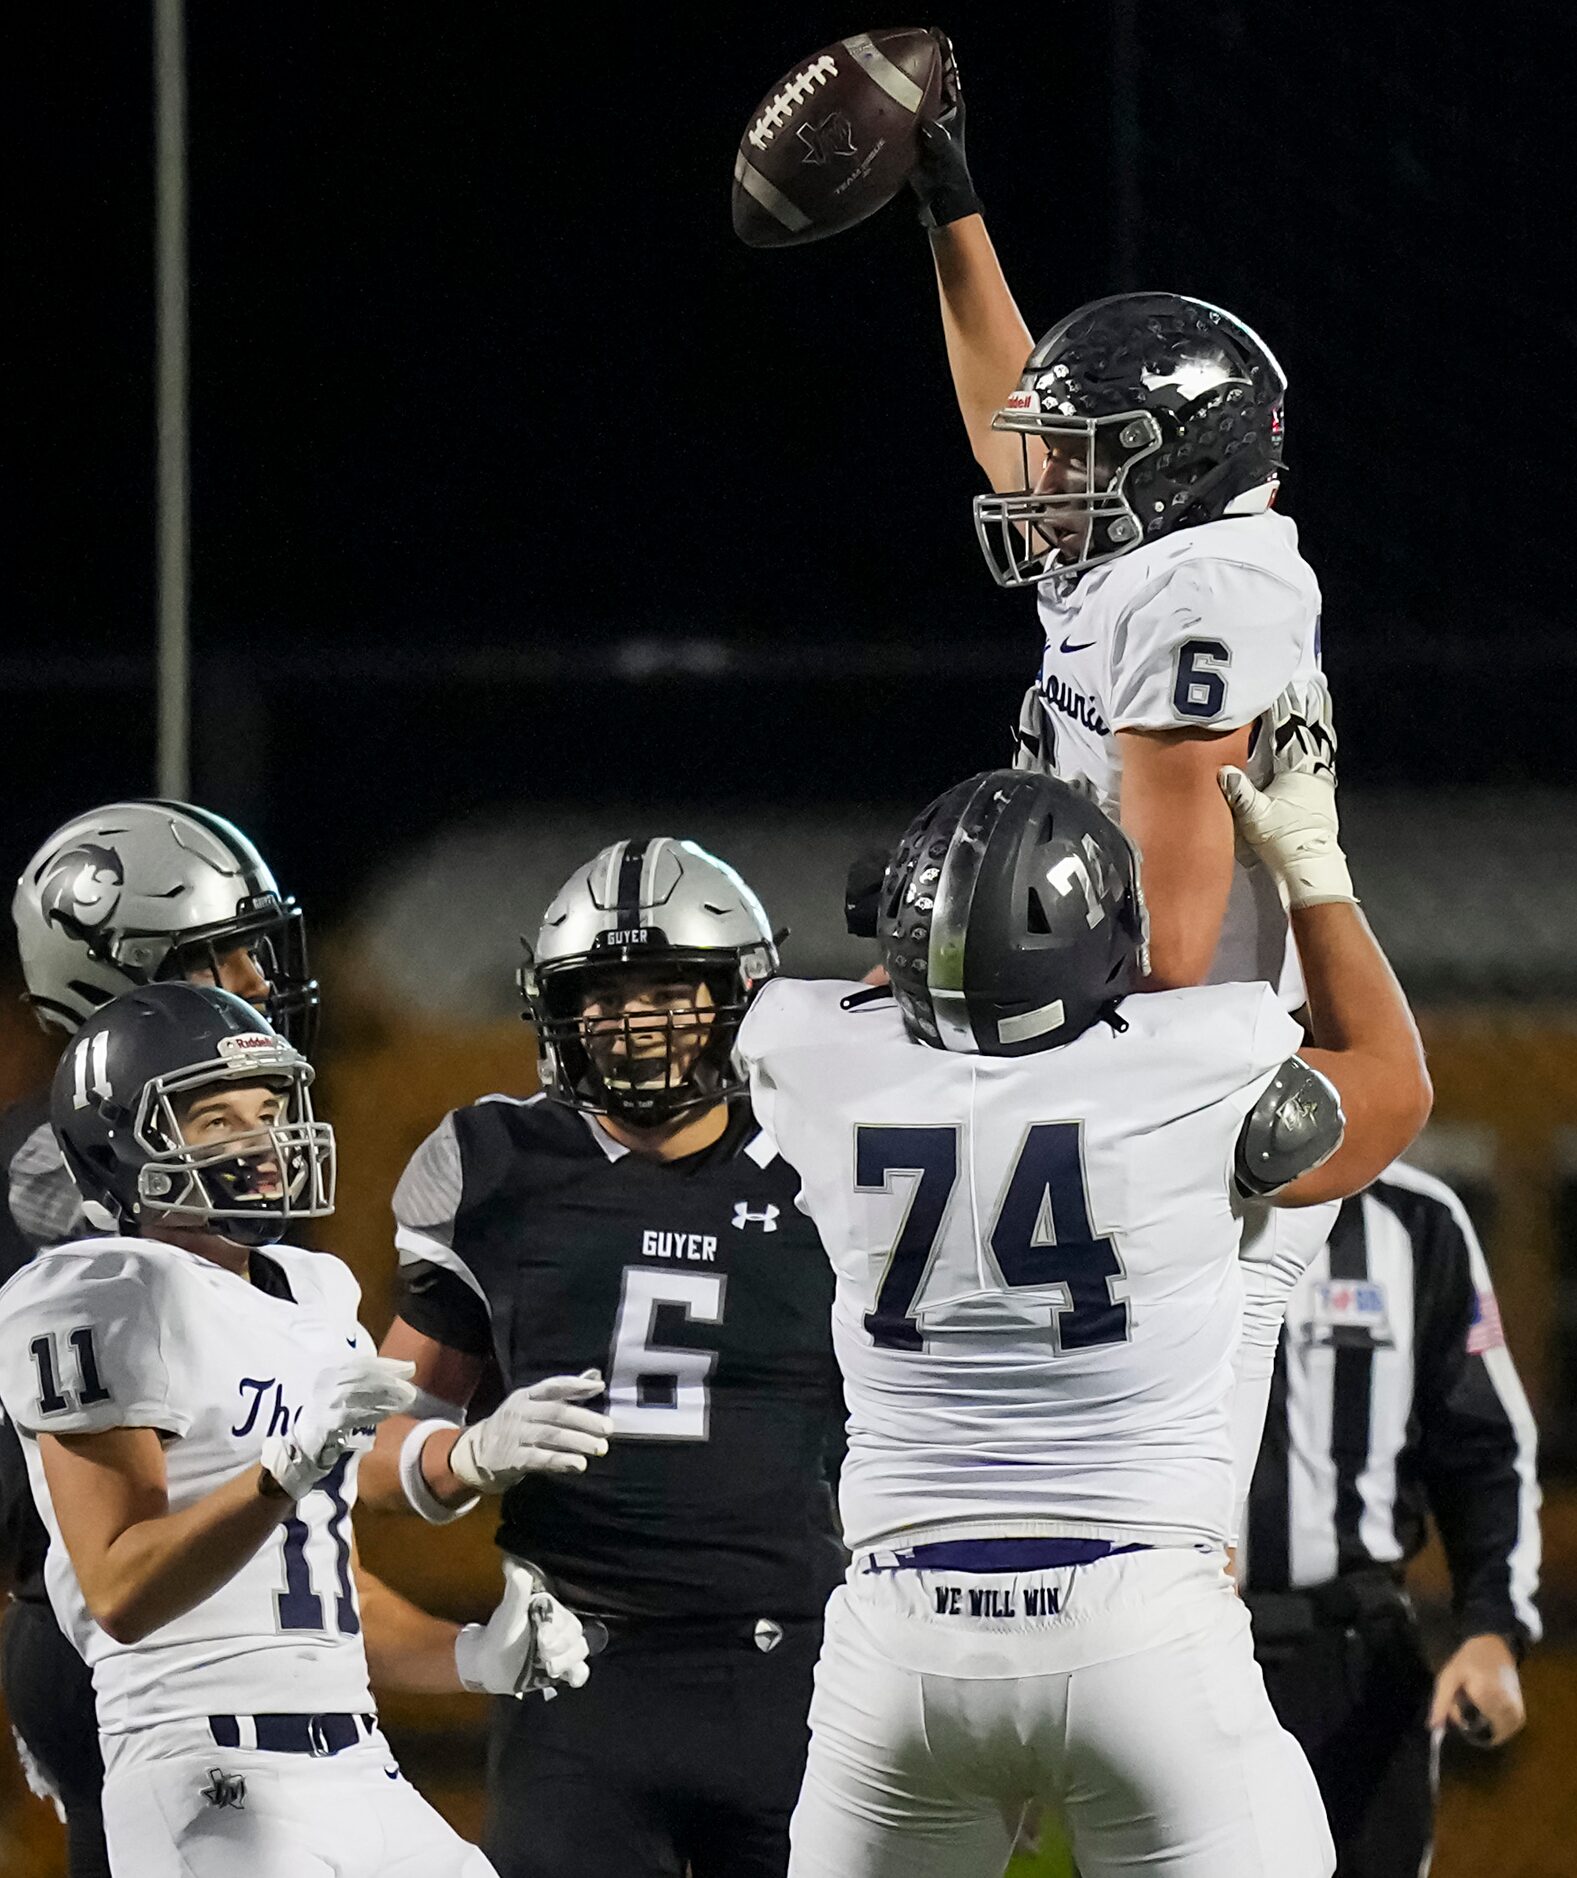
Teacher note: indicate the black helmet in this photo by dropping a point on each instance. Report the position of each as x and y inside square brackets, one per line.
[1011, 916]
[116, 1112]
[1168, 413]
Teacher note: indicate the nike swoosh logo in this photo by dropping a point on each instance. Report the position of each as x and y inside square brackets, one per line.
[1080, 648]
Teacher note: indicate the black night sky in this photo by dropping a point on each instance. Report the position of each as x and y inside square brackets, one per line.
[516, 477]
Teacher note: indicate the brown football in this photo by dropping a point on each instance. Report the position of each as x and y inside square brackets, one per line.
[834, 139]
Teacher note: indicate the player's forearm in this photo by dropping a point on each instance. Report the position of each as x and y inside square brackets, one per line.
[158, 1569]
[379, 1485]
[1366, 1040]
[409, 1651]
[378, 1477]
[987, 340]
[1356, 1006]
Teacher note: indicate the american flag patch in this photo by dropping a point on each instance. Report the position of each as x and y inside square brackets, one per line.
[1484, 1332]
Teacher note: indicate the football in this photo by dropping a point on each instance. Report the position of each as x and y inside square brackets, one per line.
[834, 139]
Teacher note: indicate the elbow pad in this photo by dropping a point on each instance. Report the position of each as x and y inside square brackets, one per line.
[1296, 1124]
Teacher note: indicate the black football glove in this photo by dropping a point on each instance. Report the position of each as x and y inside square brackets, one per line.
[941, 177]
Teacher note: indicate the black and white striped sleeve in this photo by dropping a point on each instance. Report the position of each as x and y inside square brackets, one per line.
[42, 1204]
[439, 1294]
[1477, 1440]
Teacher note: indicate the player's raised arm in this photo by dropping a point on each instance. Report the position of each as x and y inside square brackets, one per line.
[987, 339]
[1365, 1041]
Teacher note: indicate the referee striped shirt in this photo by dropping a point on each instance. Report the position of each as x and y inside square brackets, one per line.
[1394, 1400]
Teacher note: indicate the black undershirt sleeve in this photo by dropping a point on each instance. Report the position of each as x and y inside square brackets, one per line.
[441, 1306]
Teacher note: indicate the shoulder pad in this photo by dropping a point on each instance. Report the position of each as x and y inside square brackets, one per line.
[428, 1194]
[82, 1341]
[1296, 1124]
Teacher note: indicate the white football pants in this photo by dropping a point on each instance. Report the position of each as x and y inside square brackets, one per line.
[1124, 1695]
[172, 1809]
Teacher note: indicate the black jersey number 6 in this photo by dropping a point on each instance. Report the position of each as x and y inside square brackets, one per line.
[656, 1392]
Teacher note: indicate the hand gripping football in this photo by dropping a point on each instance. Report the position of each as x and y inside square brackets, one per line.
[834, 139]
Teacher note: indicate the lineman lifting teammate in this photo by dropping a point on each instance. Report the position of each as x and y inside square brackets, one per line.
[123, 896]
[1134, 455]
[192, 1410]
[633, 1221]
[1029, 1183]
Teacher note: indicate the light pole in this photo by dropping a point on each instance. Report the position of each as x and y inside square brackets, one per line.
[173, 544]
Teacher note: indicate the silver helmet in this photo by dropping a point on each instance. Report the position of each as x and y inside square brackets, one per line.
[135, 892]
[665, 919]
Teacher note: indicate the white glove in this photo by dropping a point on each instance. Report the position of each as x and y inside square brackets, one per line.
[341, 1413]
[1291, 823]
[530, 1642]
[534, 1431]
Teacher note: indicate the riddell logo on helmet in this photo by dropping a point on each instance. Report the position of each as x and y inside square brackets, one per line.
[251, 1043]
[1023, 401]
[799, 87]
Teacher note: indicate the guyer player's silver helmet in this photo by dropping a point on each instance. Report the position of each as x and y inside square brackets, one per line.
[653, 909]
[135, 892]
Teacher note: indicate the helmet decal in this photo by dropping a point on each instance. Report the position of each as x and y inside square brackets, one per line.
[83, 887]
[134, 892]
[1010, 916]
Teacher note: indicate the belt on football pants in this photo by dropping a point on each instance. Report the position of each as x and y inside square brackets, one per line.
[291, 1734]
[999, 1555]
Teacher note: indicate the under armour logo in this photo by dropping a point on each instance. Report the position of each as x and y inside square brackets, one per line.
[766, 1219]
[225, 1789]
[832, 137]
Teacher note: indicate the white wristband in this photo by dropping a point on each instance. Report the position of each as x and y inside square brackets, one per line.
[413, 1482]
[469, 1657]
[1318, 877]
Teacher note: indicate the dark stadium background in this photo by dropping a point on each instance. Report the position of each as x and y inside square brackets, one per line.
[519, 484]
[491, 411]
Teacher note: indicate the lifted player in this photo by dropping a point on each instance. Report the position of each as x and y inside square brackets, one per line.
[122, 896]
[193, 1411]
[1029, 1184]
[634, 1219]
[1135, 454]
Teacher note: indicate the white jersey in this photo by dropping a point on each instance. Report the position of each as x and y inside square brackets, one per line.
[131, 1333]
[1201, 630]
[1038, 1297]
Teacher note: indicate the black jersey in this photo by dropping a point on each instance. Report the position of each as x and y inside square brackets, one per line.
[702, 1294]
